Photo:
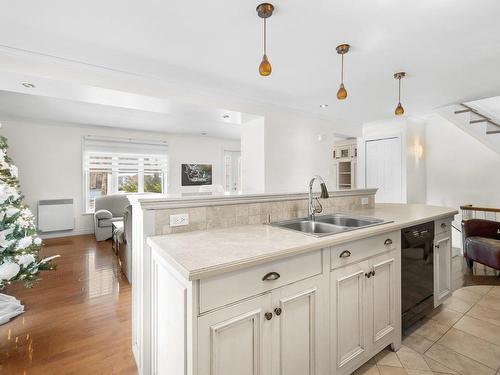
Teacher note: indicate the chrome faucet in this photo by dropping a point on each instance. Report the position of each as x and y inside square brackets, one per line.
[324, 194]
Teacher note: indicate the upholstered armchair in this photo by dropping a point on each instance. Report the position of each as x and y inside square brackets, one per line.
[108, 209]
[482, 242]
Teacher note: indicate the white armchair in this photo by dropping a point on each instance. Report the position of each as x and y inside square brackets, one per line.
[108, 209]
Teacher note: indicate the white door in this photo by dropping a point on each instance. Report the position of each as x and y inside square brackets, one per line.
[384, 169]
[348, 310]
[232, 171]
[236, 339]
[442, 267]
[300, 340]
[383, 297]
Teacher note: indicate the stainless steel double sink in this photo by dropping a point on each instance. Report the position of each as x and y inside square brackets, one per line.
[326, 225]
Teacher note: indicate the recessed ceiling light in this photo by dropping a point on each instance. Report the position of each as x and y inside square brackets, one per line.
[28, 85]
[226, 116]
[323, 106]
[203, 134]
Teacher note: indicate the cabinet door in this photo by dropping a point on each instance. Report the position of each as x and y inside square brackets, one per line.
[383, 297]
[348, 307]
[442, 267]
[236, 339]
[300, 334]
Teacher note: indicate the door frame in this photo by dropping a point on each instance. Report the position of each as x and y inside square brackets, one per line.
[223, 164]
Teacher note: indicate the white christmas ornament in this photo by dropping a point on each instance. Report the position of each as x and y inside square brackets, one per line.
[8, 270]
[24, 243]
[25, 260]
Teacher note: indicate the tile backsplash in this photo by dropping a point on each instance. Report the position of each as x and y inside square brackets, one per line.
[225, 216]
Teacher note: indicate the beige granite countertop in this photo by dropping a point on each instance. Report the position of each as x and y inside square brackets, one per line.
[200, 254]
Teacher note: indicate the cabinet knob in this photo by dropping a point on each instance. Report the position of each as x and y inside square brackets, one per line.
[388, 242]
[437, 246]
[443, 225]
[345, 254]
[368, 275]
[271, 276]
[277, 311]
[268, 315]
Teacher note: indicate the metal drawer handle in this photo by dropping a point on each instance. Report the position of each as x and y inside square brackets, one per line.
[388, 242]
[437, 246]
[268, 315]
[443, 225]
[345, 254]
[271, 276]
[277, 311]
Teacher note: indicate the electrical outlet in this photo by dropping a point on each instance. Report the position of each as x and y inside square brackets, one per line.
[364, 200]
[179, 219]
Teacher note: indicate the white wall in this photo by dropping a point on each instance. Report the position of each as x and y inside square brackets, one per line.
[253, 168]
[49, 158]
[298, 147]
[460, 169]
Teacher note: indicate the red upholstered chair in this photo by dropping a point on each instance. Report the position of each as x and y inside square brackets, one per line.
[482, 242]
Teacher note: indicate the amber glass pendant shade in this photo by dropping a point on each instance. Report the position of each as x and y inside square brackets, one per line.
[342, 93]
[265, 67]
[399, 110]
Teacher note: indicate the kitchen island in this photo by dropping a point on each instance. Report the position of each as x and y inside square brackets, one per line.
[257, 299]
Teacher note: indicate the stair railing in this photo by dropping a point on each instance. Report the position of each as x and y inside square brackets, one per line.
[474, 212]
[480, 118]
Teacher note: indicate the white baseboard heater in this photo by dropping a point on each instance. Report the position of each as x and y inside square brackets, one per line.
[56, 215]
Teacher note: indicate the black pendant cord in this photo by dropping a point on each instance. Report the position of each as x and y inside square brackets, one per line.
[399, 94]
[342, 71]
[265, 36]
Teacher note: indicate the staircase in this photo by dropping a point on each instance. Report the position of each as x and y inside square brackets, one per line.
[476, 119]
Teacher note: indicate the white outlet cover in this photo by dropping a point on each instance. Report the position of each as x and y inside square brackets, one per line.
[179, 220]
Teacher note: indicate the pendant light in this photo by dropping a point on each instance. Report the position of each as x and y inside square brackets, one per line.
[264, 11]
[342, 50]
[399, 109]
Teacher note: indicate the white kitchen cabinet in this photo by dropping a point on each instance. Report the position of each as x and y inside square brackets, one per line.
[348, 308]
[384, 307]
[442, 266]
[280, 332]
[300, 340]
[365, 308]
[236, 339]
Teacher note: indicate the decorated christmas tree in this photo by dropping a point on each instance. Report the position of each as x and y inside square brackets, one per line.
[19, 244]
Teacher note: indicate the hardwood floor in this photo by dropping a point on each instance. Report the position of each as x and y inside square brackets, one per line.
[77, 319]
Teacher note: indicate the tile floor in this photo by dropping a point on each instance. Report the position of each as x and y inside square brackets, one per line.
[460, 337]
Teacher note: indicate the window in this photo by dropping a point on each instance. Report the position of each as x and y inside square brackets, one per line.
[123, 166]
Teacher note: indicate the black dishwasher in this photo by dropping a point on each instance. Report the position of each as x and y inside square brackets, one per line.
[417, 272]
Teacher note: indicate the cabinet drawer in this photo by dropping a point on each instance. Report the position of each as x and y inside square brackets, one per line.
[442, 225]
[355, 251]
[234, 286]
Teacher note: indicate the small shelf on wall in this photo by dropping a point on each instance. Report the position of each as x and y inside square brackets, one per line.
[345, 158]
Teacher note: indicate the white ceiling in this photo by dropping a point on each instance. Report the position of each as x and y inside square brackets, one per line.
[192, 120]
[450, 48]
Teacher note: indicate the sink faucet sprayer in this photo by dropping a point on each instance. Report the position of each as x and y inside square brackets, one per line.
[324, 194]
